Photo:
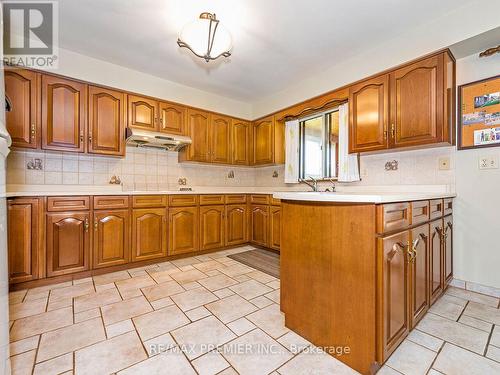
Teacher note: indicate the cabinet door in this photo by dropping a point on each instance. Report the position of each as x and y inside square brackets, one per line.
[417, 103]
[419, 274]
[64, 114]
[172, 118]
[68, 243]
[149, 233]
[211, 227]
[394, 290]
[263, 142]
[22, 113]
[142, 113]
[369, 114]
[183, 230]
[448, 249]
[236, 224]
[240, 142]
[198, 129]
[259, 225]
[436, 260]
[275, 227]
[220, 139]
[24, 223]
[106, 121]
[111, 238]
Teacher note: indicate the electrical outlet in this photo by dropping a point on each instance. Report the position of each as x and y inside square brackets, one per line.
[488, 162]
[444, 163]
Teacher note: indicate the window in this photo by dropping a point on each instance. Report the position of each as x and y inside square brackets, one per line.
[319, 135]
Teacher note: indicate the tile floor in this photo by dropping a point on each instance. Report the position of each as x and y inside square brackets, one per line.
[198, 315]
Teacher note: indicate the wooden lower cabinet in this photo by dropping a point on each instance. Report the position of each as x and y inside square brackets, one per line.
[183, 230]
[212, 227]
[274, 227]
[111, 238]
[448, 249]
[419, 274]
[24, 220]
[68, 243]
[236, 224]
[149, 233]
[436, 260]
[394, 290]
[259, 225]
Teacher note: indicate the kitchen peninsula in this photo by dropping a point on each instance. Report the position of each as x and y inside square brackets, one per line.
[359, 271]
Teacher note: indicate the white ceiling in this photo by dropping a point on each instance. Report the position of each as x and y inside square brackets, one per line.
[276, 42]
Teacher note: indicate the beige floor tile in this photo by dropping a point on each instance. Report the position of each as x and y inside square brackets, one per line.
[246, 355]
[293, 342]
[210, 364]
[110, 356]
[454, 332]
[262, 277]
[452, 299]
[457, 361]
[159, 344]
[274, 284]
[472, 296]
[321, 362]
[87, 315]
[198, 313]
[162, 276]
[217, 282]
[212, 273]
[231, 308]
[191, 285]
[68, 339]
[188, 276]
[202, 336]
[55, 366]
[32, 295]
[125, 310]
[48, 287]
[22, 310]
[230, 371]
[185, 262]
[186, 268]
[223, 293]
[36, 324]
[172, 360]
[194, 298]
[476, 323]
[119, 328]
[209, 265]
[274, 296]
[22, 364]
[242, 278]
[261, 302]
[241, 326]
[422, 338]
[131, 288]
[386, 370]
[161, 303]
[493, 353]
[270, 320]
[235, 270]
[159, 291]
[113, 277]
[72, 291]
[24, 345]
[446, 309]
[98, 299]
[83, 280]
[102, 287]
[483, 312]
[17, 296]
[250, 289]
[159, 322]
[411, 359]
[495, 336]
[59, 303]
[203, 258]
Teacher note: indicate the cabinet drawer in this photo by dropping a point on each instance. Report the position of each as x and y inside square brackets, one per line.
[259, 199]
[394, 216]
[236, 199]
[149, 201]
[209, 199]
[102, 202]
[447, 206]
[60, 204]
[436, 208]
[275, 201]
[182, 200]
[419, 212]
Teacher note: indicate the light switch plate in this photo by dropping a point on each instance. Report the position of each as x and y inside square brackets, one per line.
[444, 163]
[488, 162]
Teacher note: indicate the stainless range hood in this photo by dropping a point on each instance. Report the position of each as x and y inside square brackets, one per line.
[168, 142]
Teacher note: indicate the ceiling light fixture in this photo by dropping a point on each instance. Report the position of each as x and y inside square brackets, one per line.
[206, 38]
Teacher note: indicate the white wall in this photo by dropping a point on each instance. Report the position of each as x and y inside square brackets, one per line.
[477, 207]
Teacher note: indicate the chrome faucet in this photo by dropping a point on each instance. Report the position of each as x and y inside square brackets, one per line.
[313, 185]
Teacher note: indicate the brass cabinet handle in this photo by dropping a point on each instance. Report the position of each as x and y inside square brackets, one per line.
[33, 131]
[393, 131]
[95, 224]
[413, 252]
[385, 135]
[81, 137]
[90, 139]
[86, 224]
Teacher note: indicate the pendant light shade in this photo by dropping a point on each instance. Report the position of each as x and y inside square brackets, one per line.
[206, 38]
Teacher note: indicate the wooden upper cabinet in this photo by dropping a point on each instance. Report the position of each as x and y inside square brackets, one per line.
[111, 238]
[275, 227]
[172, 118]
[417, 103]
[369, 114]
[22, 115]
[142, 113]
[448, 249]
[106, 121]
[68, 243]
[212, 227]
[64, 114]
[236, 224]
[149, 233]
[241, 133]
[436, 260]
[394, 291]
[24, 218]
[183, 230]
[259, 225]
[198, 128]
[220, 139]
[419, 274]
[263, 141]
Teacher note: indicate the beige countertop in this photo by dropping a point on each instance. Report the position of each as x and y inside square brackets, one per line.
[360, 197]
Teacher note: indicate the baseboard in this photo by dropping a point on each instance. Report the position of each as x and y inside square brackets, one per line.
[475, 287]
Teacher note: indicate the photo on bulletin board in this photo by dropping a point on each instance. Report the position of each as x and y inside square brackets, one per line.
[479, 118]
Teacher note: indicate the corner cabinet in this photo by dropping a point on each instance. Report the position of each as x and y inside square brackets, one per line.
[268, 141]
[241, 142]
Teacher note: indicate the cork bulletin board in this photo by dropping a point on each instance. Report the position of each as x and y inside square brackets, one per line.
[479, 118]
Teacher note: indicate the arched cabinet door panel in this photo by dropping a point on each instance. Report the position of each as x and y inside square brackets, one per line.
[149, 233]
[142, 113]
[172, 118]
[236, 224]
[240, 141]
[263, 133]
[220, 142]
[183, 230]
[198, 128]
[111, 238]
[259, 225]
[275, 227]
[212, 227]
[419, 274]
